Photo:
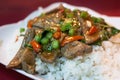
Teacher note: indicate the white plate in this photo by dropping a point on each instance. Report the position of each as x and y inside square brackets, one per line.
[8, 32]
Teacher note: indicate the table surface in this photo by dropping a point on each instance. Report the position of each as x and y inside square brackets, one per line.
[12, 11]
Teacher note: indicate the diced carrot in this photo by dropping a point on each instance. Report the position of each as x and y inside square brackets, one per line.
[30, 22]
[36, 46]
[92, 30]
[57, 35]
[16, 38]
[29, 25]
[70, 39]
[61, 11]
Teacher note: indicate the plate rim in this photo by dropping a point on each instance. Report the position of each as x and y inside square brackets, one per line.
[40, 9]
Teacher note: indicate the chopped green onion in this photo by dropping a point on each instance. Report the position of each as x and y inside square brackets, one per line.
[70, 15]
[75, 10]
[94, 19]
[71, 32]
[49, 35]
[68, 20]
[55, 44]
[43, 14]
[98, 43]
[44, 40]
[114, 31]
[65, 26]
[67, 10]
[97, 20]
[22, 30]
[104, 35]
[38, 38]
[84, 14]
[27, 45]
[83, 40]
[22, 34]
[47, 47]
[44, 47]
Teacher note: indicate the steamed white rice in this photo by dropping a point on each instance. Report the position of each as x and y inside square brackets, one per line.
[102, 64]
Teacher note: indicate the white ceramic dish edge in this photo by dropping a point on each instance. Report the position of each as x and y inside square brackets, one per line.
[9, 29]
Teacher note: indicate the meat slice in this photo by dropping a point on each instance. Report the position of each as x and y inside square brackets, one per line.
[19, 59]
[29, 35]
[84, 27]
[28, 61]
[48, 21]
[24, 60]
[16, 61]
[89, 39]
[49, 57]
[74, 49]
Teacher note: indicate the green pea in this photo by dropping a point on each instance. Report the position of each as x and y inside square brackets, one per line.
[38, 38]
[84, 14]
[71, 32]
[66, 26]
[55, 44]
[22, 30]
[49, 35]
[44, 40]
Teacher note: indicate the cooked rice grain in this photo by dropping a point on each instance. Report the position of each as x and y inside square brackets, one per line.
[102, 64]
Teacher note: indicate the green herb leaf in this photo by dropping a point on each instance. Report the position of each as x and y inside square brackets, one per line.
[97, 20]
[114, 31]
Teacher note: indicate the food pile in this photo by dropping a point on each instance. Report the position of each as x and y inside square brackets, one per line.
[60, 33]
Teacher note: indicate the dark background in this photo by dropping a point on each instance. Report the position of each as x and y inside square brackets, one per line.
[12, 11]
